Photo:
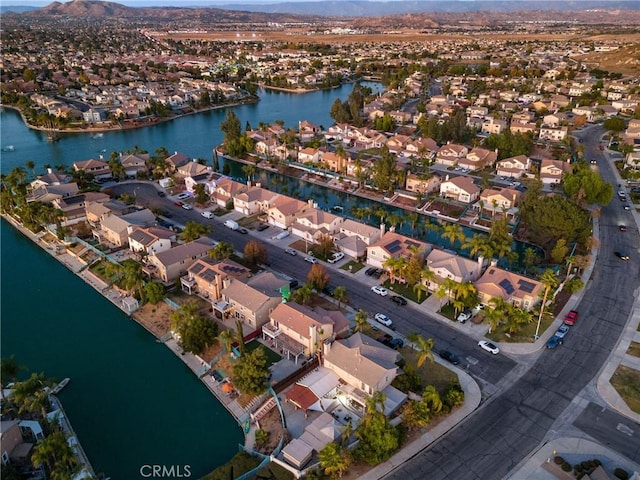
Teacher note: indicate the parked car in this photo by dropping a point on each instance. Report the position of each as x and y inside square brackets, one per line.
[380, 290]
[621, 256]
[336, 257]
[369, 271]
[399, 300]
[554, 341]
[311, 259]
[207, 214]
[489, 347]
[244, 231]
[186, 206]
[464, 315]
[571, 318]
[449, 357]
[396, 343]
[622, 228]
[184, 195]
[562, 331]
[262, 227]
[383, 319]
[377, 273]
[162, 194]
[178, 203]
[328, 290]
[291, 251]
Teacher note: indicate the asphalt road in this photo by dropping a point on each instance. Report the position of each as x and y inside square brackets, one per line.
[490, 443]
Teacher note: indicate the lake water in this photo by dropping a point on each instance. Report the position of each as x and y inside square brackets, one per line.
[131, 401]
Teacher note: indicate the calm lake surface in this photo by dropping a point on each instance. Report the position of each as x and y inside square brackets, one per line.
[131, 401]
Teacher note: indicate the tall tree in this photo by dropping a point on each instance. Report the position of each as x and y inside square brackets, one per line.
[423, 347]
[361, 320]
[221, 251]
[549, 280]
[196, 332]
[318, 277]
[194, 230]
[340, 294]
[251, 372]
[453, 232]
[334, 460]
[255, 253]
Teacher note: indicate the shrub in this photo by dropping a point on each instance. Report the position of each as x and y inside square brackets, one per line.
[620, 473]
[566, 466]
[558, 460]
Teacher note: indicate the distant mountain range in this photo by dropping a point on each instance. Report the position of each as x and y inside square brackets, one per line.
[295, 11]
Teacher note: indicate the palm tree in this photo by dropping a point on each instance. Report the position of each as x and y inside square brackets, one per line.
[221, 251]
[334, 460]
[226, 339]
[249, 170]
[240, 336]
[303, 294]
[423, 346]
[549, 280]
[340, 294]
[431, 397]
[493, 316]
[133, 280]
[453, 232]
[394, 266]
[418, 288]
[361, 320]
[475, 244]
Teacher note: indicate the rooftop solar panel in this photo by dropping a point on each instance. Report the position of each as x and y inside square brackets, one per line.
[506, 286]
[526, 286]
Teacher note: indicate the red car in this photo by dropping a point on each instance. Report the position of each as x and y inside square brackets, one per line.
[571, 317]
[179, 203]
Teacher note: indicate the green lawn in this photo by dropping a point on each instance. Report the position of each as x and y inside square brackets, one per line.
[352, 266]
[272, 357]
[634, 349]
[431, 373]
[448, 311]
[405, 291]
[627, 383]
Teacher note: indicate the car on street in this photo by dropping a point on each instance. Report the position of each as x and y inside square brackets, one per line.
[207, 214]
[184, 196]
[622, 228]
[178, 203]
[555, 341]
[162, 194]
[336, 257]
[370, 271]
[562, 331]
[186, 206]
[262, 227]
[621, 256]
[398, 300]
[489, 347]
[380, 290]
[244, 231]
[622, 193]
[383, 319]
[449, 356]
[311, 259]
[328, 290]
[571, 318]
[291, 251]
[627, 207]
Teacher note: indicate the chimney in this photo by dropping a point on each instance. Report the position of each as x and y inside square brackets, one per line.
[49, 170]
[494, 262]
[481, 262]
[383, 228]
[249, 183]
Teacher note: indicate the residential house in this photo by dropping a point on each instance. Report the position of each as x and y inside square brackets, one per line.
[397, 143]
[309, 154]
[94, 115]
[173, 263]
[98, 168]
[445, 264]
[150, 239]
[393, 245]
[254, 200]
[226, 190]
[283, 211]
[312, 224]
[493, 126]
[115, 229]
[253, 301]
[298, 330]
[50, 178]
[423, 184]
[478, 158]
[551, 171]
[553, 134]
[334, 162]
[497, 200]
[176, 161]
[523, 128]
[461, 189]
[135, 164]
[317, 434]
[49, 193]
[423, 147]
[14, 450]
[591, 114]
[353, 238]
[450, 154]
[207, 277]
[633, 160]
[513, 167]
[98, 208]
[516, 289]
[307, 130]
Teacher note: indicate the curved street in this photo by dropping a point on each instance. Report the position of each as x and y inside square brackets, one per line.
[528, 399]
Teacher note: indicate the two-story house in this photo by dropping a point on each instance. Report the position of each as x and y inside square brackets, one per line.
[207, 277]
[312, 224]
[353, 237]
[150, 240]
[423, 184]
[449, 155]
[551, 171]
[98, 168]
[173, 263]
[461, 189]
[446, 264]
[283, 211]
[513, 166]
[393, 245]
[226, 190]
[497, 200]
[478, 158]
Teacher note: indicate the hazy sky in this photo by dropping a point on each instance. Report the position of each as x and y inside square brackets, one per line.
[172, 3]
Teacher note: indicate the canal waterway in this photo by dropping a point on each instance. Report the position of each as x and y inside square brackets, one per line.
[131, 401]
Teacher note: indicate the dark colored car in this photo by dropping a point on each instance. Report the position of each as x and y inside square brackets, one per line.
[328, 290]
[554, 341]
[377, 273]
[243, 231]
[398, 299]
[623, 228]
[396, 343]
[370, 271]
[449, 357]
[262, 226]
[162, 194]
[621, 256]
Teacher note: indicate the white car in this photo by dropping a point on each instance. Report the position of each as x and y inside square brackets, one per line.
[186, 206]
[207, 214]
[380, 290]
[184, 195]
[290, 251]
[336, 257]
[464, 316]
[489, 347]
[383, 319]
[311, 259]
[562, 331]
